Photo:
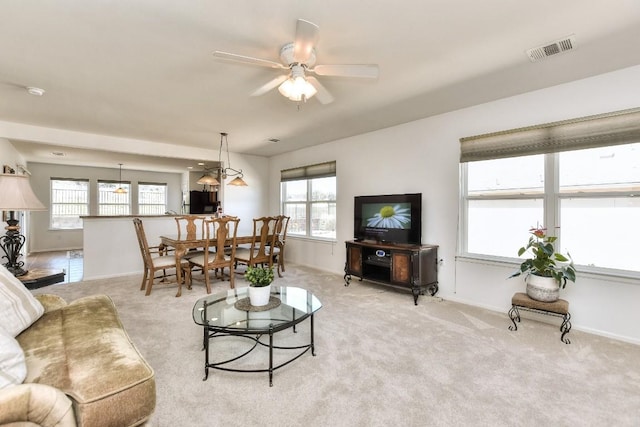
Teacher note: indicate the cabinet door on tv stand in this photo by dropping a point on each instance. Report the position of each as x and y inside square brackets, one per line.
[401, 270]
[354, 260]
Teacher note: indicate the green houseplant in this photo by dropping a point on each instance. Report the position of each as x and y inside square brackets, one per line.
[544, 262]
[259, 276]
[260, 279]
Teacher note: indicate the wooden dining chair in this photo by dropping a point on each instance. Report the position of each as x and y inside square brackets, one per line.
[188, 227]
[219, 251]
[277, 251]
[262, 240]
[155, 258]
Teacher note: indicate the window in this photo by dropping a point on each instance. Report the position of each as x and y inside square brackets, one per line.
[152, 198]
[308, 196]
[69, 201]
[584, 195]
[110, 203]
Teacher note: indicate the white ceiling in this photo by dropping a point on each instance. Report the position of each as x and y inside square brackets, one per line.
[144, 69]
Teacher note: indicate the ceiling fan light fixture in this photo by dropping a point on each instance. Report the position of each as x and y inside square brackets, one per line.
[297, 88]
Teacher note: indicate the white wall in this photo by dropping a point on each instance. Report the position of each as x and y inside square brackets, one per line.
[9, 156]
[423, 156]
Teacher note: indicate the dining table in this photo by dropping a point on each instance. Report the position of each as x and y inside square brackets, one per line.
[182, 244]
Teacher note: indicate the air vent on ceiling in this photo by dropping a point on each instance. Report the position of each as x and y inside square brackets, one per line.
[559, 46]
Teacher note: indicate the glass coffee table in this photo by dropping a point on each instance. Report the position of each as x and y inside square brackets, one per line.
[229, 313]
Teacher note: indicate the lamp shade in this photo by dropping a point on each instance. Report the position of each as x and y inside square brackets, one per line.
[238, 182]
[207, 179]
[16, 194]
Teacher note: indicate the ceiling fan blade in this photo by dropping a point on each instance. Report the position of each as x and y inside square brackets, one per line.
[270, 85]
[370, 71]
[247, 59]
[323, 95]
[305, 42]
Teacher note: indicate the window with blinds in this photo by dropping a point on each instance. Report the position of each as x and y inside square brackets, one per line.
[578, 178]
[308, 196]
[69, 201]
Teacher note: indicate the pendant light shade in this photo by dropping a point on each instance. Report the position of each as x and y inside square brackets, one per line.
[120, 189]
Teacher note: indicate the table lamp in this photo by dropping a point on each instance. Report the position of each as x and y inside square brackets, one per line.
[15, 195]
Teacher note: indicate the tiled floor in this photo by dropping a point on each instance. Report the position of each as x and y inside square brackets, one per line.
[68, 261]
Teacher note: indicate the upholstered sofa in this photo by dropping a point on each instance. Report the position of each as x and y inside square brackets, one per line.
[68, 364]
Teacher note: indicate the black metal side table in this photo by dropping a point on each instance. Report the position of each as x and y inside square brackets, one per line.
[559, 308]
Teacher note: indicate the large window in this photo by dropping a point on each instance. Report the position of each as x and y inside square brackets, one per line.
[152, 198]
[112, 203]
[308, 196]
[587, 197]
[69, 201]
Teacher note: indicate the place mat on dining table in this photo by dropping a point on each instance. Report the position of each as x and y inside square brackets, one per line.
[245, 305]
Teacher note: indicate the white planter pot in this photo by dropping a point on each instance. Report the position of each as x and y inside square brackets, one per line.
[259, 296]
[544, 289]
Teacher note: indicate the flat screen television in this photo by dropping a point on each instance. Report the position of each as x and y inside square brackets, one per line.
[391, 218]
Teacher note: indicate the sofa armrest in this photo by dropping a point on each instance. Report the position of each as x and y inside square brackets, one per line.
[51, 302]
[39, 404]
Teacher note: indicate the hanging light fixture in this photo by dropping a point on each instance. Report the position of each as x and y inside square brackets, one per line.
[229, 171]
[120, 189]
[296, 87]
[207, 179]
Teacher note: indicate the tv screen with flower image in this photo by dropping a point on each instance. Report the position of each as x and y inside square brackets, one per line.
[391, 218]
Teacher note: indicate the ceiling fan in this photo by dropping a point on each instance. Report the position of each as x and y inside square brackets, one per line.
[299, 59]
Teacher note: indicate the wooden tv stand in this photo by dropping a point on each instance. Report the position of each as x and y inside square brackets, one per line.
[412, 267]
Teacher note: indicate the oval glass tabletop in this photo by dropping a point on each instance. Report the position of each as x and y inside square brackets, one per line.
[230, 311]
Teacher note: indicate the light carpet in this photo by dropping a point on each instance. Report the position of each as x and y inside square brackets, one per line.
[380, 361]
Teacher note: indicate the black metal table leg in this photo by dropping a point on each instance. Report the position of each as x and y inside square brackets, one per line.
[206, 354]
[313, 347]
[270, 355]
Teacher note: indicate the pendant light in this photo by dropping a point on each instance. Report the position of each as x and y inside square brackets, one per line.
[229, 171]
[120, 189]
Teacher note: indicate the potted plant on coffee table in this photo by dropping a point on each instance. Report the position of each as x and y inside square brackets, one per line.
[260, 279]
[546, 270]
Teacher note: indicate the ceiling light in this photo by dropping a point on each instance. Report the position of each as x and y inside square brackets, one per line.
[229, 171]
[296, 87]
[36, 91]
[207, 179]
[120, 189]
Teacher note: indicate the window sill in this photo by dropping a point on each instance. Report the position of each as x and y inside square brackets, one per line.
[312, 239]
[622, 276]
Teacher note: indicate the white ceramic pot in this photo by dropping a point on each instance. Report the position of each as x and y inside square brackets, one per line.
[544, 289]
[259, 296]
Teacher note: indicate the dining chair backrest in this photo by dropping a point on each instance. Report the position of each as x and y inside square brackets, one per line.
[264, 237]
[188, 226]
[281, 229]
[142, 242]
[220, 235]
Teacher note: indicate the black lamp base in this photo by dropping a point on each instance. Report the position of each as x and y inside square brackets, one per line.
[11, 244]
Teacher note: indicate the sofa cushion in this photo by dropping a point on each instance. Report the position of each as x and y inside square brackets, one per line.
[82, 349]
[13, 368]
[18, 308]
